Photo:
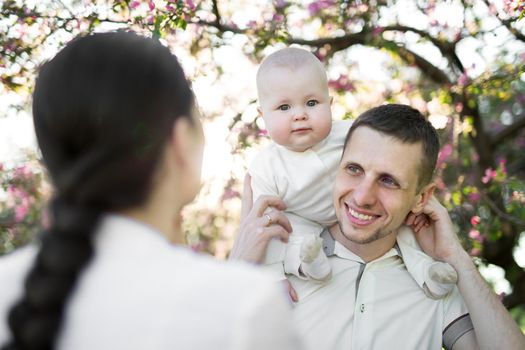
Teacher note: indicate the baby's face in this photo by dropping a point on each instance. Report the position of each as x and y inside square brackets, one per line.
[295, 106]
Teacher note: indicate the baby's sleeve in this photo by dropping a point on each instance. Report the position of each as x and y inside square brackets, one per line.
[262, 174]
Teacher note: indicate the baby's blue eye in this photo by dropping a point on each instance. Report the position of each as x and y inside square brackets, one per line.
[311, 103]
[283, 107]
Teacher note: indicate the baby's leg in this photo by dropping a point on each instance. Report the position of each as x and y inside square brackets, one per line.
[436, 278]
[314, 263]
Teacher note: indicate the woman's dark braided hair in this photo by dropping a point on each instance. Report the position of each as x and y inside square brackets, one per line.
[103, 110]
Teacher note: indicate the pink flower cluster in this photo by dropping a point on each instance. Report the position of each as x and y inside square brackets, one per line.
[279, 4]
[20, 200]
[342, 83]
[513, 6]
[489, 175]
[446, 151]
[317, 6]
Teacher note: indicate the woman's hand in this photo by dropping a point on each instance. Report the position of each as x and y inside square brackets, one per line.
[260, 222]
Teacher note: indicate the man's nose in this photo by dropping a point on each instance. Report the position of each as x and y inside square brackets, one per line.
[365, 193]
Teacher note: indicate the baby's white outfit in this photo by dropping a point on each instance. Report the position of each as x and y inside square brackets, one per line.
[305, 181]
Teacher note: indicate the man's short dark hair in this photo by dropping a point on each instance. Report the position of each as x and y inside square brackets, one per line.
[407, 125]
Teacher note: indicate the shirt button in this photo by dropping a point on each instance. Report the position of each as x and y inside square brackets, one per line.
[362, 308]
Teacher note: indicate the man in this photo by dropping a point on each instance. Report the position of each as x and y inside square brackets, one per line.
[372, 302]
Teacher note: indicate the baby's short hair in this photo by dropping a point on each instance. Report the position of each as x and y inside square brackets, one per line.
[290, 57]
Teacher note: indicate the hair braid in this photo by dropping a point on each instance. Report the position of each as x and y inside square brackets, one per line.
[66, 248]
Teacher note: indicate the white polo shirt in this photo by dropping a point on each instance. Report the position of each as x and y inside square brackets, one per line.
[374, 305]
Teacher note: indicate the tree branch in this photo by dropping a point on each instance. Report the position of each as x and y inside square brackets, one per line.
[343, 42]
[506, 23]
[412, 58]
[336, 43]
[447, 49]
[500, 212]
[508, 131]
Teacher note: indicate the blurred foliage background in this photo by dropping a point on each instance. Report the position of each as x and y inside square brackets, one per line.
[462, 63]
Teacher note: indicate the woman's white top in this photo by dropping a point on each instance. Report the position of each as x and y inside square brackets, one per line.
[141, 292]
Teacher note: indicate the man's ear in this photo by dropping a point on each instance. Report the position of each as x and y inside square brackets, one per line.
[423, 197]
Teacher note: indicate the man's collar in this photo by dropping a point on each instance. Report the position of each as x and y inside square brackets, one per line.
[331, 247]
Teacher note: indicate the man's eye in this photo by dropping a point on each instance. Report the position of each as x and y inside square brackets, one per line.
[311, 103]
[389, 181]
[283, 107]
[353, 169]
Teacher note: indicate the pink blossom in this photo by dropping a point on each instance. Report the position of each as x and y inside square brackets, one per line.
[20, 212]
[230, 194]
[262, 132]
[475, 252]
[251, 24]
[170, 8]
[446, 151]
[377, 31]
[151, 5]
[474, 234]
[134, 4]
[440, 184]
[197, 247]
[23, 172]
[342, 83]
[280, 4]
[190, 4]
[489, 175]
[150, 19]
[315, 7]
[463, 79]
[277, 17]
[474, 221]
[474, 197]
[502, 166]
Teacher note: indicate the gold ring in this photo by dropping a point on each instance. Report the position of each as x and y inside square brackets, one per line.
[269, 219]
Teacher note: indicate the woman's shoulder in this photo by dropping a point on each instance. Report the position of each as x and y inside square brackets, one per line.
[15, 263]
[235, 272]
[13, 269]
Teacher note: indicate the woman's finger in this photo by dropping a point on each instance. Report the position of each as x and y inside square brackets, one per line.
[247, 197]
[276, 217]
[264, 202]
[276, 231]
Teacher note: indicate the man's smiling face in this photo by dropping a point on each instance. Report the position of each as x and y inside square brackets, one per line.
[375, 187]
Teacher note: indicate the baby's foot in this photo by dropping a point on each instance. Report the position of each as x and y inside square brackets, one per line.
[443, 273]
[314, 263]
[310, 248]
[442, 278]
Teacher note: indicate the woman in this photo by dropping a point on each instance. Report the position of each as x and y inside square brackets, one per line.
[119, 134]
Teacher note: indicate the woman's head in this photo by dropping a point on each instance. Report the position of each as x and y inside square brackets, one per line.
[113, 115]
[104, 109]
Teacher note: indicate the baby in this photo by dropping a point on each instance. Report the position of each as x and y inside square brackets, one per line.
[300, 167]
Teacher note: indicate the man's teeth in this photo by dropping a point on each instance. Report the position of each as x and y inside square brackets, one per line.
[360, 216]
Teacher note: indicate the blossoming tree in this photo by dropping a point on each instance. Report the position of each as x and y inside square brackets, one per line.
[459, 62]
